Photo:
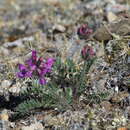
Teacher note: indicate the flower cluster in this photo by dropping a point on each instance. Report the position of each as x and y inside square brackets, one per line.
[37, 67]
[84, 31]
[87, 52]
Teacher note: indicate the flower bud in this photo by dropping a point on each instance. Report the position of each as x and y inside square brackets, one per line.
[87, 52]
[84, 31]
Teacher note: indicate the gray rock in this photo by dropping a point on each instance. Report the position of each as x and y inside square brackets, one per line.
[15, 88]
[35, 126]
[5, 84]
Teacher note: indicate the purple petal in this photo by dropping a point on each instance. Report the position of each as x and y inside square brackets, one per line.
[46, 67]
[42, 72]
[42, 81]
[49, 63]
[21, 75]
[33, 67]
[22, 67]
[48, 70]
[29, 74]
[29, 62]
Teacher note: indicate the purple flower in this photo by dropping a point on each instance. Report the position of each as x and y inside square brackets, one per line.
[87, 52]
[36, 67]
[32, 61]
[23, 71]
[49, 63]
[84, 31]
[42, 81]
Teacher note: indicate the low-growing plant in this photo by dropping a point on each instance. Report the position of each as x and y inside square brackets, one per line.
[64, 82]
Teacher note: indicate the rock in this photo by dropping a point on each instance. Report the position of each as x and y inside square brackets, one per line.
[4, 125]
[18, 43]
[119, 97]
[4, 51]
[121, 27]
[106, 105]
[119, 121]
[59, 28]
[15, 89]
[5, 84]
[14, 44]
[4, 120]
[6, 87]
[111, 17]
[117, 8]
[12, 125]
[35, 126]
[102, 34]
[4, 115]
